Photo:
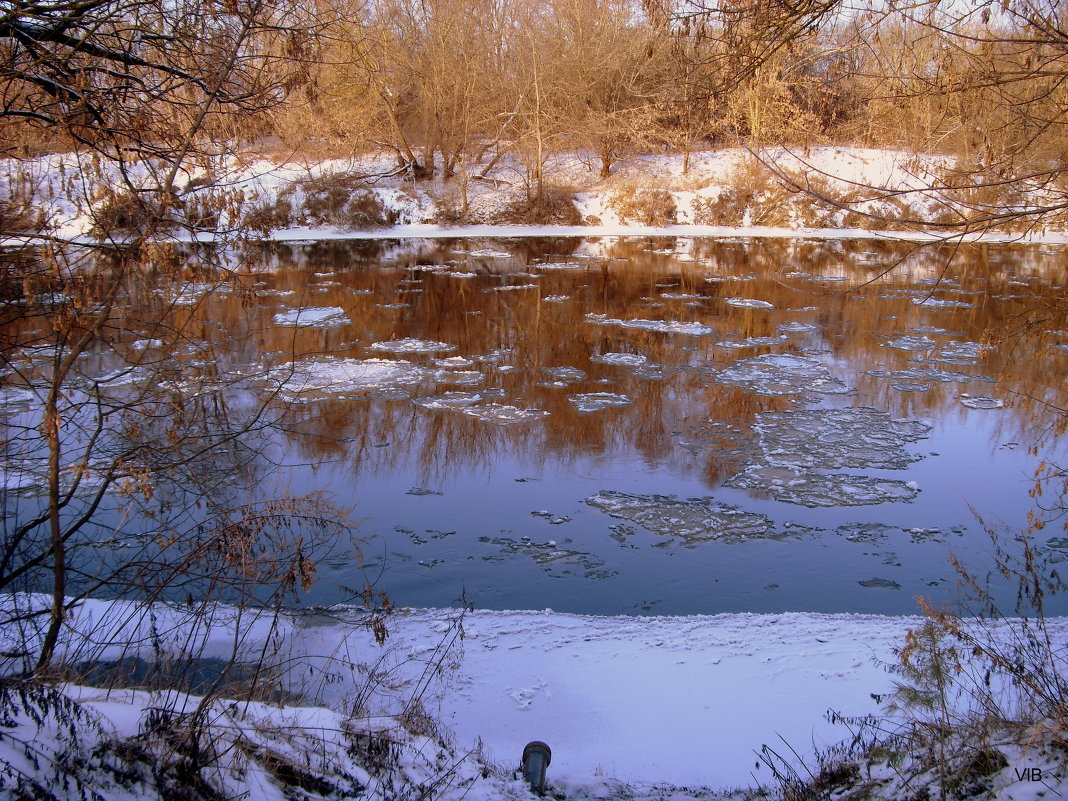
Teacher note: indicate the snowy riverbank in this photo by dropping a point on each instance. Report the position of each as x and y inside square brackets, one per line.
[682, 701]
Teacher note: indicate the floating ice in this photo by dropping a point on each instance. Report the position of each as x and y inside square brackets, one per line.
[780, 374]
[692, 519]
[797, 328]
[595, 401]
[910, 386]
[487, 253]
[511, 287]
[665, 326]
[566, 375]
[412, 346]
[620, 359]
[461, 275]
[503, 415]
[911, 343]
[753, 342]
[556, 298]
[145, 344]
[392, 305]
[880, 583]
[980, 403]
[805, 488]
[321, 317]
[449, 400]
[680, 296]
[453, 362]
[939, 303]
[930, 374]
[833, 438]
[554, 559]
[961, 353]
[748, 303]
[467, 378]
[331, 376]
[559, 265]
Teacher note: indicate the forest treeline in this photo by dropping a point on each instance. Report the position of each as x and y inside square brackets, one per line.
[450, 87]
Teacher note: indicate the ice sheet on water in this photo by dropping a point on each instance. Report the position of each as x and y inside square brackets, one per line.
[680, 296]
[959, 353]
[620, 359]
[805, 488]
[754, 342]
[556, 559]
[922, 374]
[503, 415]
[488, 253]
[911, 343]
[565, 375]
[797, 328]
[748, 303]
[665, 326]
[453, 362]
[330, 376]
[559, 265]
[780, 374]
[511, 287]
[316, 317]
[941, 303]
[859, 437]
[556, 298]
[980, 403]
[693, 519]
[910, 386]
[465, 378]
[596, 401]
[410, 345]
[449, 400]
[456, 274]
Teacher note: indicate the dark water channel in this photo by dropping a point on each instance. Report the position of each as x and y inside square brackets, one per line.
[638, 426]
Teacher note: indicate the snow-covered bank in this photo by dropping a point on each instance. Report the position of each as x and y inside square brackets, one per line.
[677, 701]
[821, 192]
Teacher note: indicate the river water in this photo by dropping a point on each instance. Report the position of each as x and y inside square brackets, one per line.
[655, 426]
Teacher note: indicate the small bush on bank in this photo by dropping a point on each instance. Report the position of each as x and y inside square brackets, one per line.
[644, 206]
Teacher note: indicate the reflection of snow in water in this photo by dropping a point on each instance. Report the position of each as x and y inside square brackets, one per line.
[779, 374]
[323, 317]
[665, 326]
[410, 345]
[596, 401]
[692, 519]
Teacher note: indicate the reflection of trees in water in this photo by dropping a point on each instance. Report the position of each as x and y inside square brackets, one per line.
[864, 294]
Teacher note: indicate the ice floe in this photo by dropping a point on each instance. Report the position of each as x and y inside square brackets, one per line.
[449, 400]
[753, 342]
[503, 415]
[980, 403]
[620, 359]
[596, 401]
[930, 374]
[779, 374]
[328, 376]
[665, 326]
[802, 487]
[691, 519]
[315, 317]
[410, 345]
[748, 303]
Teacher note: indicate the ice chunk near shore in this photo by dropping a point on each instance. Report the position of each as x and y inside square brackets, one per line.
[780, 374]
[596, 401]
[449, 400]
[315, 317]
[693, 519]
[329, 376]
[410, 345]
[664, 326]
